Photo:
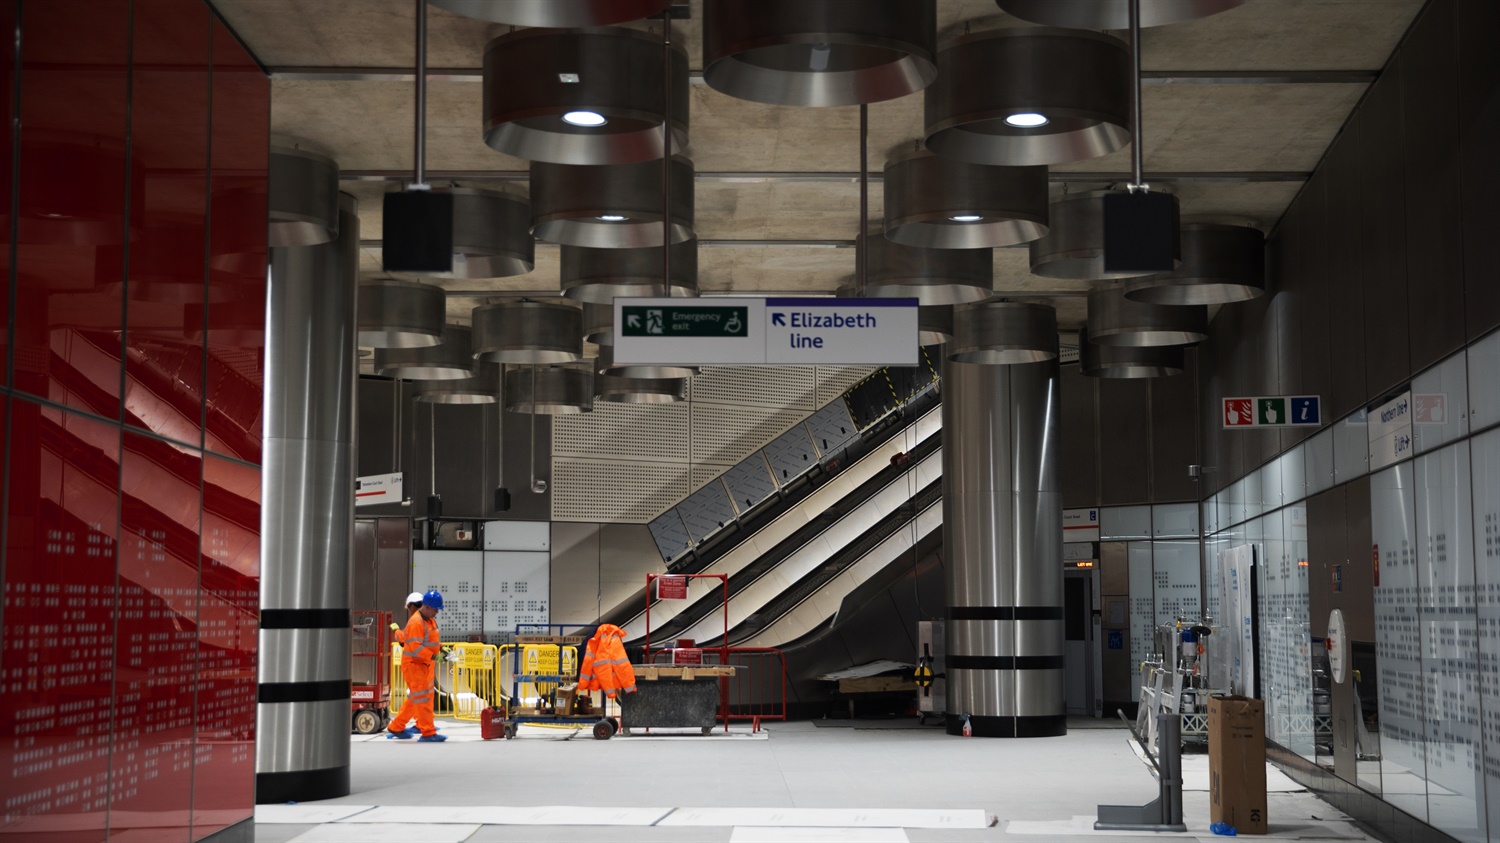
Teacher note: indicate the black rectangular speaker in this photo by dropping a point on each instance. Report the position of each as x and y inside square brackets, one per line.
[417, 234]
[502, 499]
[434, 507]
[1141, 232]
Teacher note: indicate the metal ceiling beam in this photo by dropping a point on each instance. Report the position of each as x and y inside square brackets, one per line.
[850, 177]
[296, 73]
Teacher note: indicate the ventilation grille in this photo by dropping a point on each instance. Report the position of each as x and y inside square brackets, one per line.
[630, 463]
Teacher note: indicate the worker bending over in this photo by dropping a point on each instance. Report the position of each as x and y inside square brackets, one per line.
[418, 656]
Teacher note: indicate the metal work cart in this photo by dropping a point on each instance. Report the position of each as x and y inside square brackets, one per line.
[370, 656]
[546, 711]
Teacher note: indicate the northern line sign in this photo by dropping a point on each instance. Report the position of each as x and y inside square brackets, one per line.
[789, 331]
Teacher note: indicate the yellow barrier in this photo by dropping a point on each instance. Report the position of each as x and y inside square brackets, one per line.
[536, 659]
[442, 702]
[476, 682]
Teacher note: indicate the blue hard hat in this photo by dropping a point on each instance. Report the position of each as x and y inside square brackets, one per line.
[433, 599]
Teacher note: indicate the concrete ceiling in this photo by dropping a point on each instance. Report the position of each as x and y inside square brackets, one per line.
[1262, 136]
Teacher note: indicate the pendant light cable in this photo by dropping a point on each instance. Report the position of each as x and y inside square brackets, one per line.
[666, 156]
[419, 145]
[861, 257]
[1137, 150]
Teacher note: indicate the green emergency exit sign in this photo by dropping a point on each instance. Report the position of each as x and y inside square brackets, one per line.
[685, 321]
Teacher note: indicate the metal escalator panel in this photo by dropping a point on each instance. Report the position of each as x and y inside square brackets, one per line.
[820, 504]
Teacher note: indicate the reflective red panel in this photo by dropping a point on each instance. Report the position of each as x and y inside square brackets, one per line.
[237, 251]
[7, 183]
[165, 272]
[229, 605]
[72, 201]
[57, 665]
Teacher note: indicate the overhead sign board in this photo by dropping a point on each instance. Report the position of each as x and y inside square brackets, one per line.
[1272, 411]
[776, 331]
[1080, 525]
[377, 488]
[1390, 431]
[671, 587]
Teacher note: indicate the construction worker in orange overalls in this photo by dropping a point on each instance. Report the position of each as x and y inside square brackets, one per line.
[418, 653]
[413, 605]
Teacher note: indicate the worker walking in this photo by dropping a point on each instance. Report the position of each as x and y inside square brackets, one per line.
[418, 654]
[413, 605]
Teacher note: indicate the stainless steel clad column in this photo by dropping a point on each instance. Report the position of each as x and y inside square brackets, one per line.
[1002, 530]
[307, 519]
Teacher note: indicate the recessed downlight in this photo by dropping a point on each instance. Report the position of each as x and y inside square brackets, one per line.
[966, 218]
[584, 118]
[1027, 120]
[612, 217]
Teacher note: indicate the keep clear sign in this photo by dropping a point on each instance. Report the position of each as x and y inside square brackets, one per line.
[790, 331]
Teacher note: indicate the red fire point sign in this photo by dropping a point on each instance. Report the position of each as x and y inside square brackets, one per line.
[1239, 412]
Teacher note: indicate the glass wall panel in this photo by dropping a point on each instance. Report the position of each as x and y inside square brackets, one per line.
[1484, 382]
[1142, 609]
[1285, 672]
[1251, 497]
[1440, 403]
[1317, 455]
[1485, 450]
[1403, 761]
[1351, 448]
[1174, 520]
[1118, 523]
[1271, 494]
[1293, 475]
[1176, 565]
[1450, 650]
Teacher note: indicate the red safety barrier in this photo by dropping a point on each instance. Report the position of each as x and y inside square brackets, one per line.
[757, 690]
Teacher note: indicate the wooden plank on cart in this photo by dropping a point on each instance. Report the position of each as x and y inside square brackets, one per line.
[689, 672]
[573, 640]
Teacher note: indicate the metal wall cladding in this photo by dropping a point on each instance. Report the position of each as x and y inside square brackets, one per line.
[1312, 305]
[1479, 167]
[1080, 439]
[831, 427]
[750, 482]
[1382, 211]
[1124, 442]
[1434, 225]
[707, 510]
[788, 456]
[1174, 433]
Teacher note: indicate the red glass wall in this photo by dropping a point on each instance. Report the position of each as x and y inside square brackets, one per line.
[130, 408]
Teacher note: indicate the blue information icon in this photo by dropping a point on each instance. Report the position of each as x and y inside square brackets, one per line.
[1305, 409]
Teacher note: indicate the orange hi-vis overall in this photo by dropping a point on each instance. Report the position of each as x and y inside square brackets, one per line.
[605, 667]
[418, 652]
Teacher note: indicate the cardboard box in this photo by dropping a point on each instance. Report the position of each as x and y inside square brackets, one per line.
[567, 696]
[1237, 763]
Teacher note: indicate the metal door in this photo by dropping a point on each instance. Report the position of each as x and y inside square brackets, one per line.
[1079, 640]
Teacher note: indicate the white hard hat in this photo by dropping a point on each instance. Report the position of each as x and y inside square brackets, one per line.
[414, 597]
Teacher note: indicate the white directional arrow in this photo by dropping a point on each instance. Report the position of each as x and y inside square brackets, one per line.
[633, 321]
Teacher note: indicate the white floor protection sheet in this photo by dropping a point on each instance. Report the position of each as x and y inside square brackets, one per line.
[818, 835]
[362, 833]
[1082, 828]
[1195, 773]
[829, 817]
[293, 814]
[511, 815]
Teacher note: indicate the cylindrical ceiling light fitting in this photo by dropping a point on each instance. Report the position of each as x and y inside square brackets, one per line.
[599, 323]
[1220, 264]
[303, 197]
[931, 276]
[1116, 320]
[601, 275]
[549, 390]
[1074, 247]
[942, 203]
[582, 97]
[1030, 96]
[1004, 333]
[483, 388]
[819, 52]
[605, 364]
[620, 390]
[400, 314]
[491, 234]
[1112, 14]
[555, 13]
[934, 324]
[451, 359]
[612, 206]
[1110, 361]
[522, 331]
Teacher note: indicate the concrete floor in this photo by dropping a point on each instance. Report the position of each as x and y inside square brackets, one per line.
[796, 765]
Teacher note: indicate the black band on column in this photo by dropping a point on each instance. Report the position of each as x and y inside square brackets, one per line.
[301, 785]
[1005, 662]
[304, 618]
[1044, 726]
[295, 692]
[1005, 613]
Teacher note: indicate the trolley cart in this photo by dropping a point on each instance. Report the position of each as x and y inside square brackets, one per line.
[370, 669]
[555, 703]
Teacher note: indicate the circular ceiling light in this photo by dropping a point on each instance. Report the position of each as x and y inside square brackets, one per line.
[1105, 361]
[1116, 320]
[1074, 246]
[1003, 333]
[303, 197]
[483, 388]
[491, 235]
[926, 194]
[528, 332]
[1077, 82]
[819, 52]
[604, 364]
[555, 13]
[931, 276]
[1112, 14]
[582, 97]
[599, 323]
[1220, 264]
[934, 324]
[451, 359]
[549, 390]
[620, 390]
[611, 206]
[602, 275]
[400, 314]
